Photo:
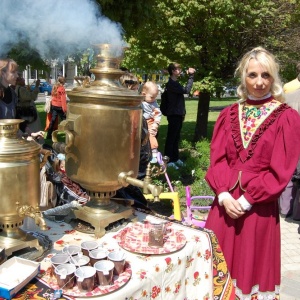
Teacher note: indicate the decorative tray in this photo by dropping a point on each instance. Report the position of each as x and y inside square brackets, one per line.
[135, 238]
[118, 282]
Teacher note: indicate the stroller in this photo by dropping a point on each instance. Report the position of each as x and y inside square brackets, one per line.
[56, 187]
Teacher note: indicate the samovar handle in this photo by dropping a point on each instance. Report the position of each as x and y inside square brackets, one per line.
[46, 153]
[62, 127]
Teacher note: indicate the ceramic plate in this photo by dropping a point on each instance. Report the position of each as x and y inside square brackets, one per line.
[135, 238]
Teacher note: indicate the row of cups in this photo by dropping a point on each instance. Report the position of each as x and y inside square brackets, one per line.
[87, 268]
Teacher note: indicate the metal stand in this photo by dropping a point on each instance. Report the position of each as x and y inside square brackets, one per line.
[13, 245]
[101, 218]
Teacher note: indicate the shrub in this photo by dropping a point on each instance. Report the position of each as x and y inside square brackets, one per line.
[196, 162]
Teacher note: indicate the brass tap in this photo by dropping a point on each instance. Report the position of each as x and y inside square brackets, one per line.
[40, 221]
[34, 213]
[146, 185]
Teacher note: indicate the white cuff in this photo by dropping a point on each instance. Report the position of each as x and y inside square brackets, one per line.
[222, 196]
[244, 203]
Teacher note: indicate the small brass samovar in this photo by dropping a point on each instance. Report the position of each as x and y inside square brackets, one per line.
[103, 138]
[20, 187]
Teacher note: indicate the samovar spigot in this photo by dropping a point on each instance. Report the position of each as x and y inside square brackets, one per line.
[34, 213]
[146, 185]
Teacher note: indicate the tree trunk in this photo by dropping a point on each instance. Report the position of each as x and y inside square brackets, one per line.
[202, 116]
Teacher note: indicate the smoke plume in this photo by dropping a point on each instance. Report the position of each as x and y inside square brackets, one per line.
[56, 28]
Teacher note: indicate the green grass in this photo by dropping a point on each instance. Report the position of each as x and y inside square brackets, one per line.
[42, 114]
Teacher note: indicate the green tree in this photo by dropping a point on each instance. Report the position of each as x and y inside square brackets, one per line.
[22, 53]
[287, 37]
[130, 14]
[209, 35]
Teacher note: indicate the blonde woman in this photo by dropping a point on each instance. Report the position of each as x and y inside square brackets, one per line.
[8, 97]
[254, 152]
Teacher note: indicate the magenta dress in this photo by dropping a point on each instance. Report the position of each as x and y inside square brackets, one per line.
[254, 153]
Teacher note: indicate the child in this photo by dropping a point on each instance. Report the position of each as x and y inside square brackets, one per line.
[152, 114]
[58, 104]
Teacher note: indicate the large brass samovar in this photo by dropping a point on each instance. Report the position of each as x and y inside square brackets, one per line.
[103, 138]
[20, 186]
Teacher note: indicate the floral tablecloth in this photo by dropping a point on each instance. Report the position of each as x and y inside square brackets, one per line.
[195, 271]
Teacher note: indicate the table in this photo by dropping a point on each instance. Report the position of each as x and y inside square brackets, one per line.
[197, 271]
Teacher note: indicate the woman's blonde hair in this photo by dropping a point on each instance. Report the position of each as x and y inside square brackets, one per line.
[6, 64]
[60, 82]
[266, 60]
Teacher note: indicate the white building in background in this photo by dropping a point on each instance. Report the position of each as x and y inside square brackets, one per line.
[67, 69]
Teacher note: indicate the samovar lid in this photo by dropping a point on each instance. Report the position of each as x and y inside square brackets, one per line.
[107, 86]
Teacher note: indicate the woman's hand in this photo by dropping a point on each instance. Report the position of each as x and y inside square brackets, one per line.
[37, 135]
[233, 208]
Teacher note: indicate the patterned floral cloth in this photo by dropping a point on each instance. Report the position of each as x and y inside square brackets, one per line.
[196, 271]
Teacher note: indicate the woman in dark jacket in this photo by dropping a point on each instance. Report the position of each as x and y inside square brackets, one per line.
[176, 111]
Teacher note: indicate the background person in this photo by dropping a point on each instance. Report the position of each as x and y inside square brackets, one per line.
[58, 104]
[152, 113]
[26, 108]
[289, 199]
[294, 84]
[8, 97]
[254, 152]
[176, 111]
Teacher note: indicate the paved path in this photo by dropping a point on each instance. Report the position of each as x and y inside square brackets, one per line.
[290, 259]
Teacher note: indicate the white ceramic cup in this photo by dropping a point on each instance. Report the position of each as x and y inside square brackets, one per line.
[85, 278]
[79, 260]
[118, 258]
[104, 269]
[72, 250]
[88, 246]
[65, 275]
[58, 259]
[98, 254]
